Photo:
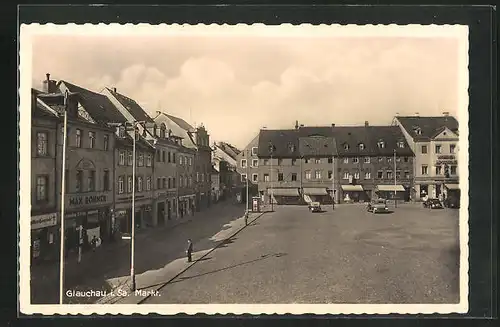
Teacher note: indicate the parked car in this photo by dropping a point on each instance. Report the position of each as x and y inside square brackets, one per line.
[315, 207]
[452, 202]
[377, 206]
[433, 204]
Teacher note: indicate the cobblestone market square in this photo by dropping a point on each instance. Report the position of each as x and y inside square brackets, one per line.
[345, 256]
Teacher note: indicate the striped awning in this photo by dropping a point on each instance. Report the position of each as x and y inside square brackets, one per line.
[315, 191]
[452, 186]
[391, 188]
[284, 191]
[352, 188]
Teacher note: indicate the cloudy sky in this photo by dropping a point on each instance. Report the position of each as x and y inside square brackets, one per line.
[236, 85]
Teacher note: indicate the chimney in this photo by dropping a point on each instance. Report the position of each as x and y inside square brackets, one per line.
[49, 86]
[296, 124]
[446, 113]
[301, 125]
[114, 89]
[333, 125]
[417, 114]
[366, 123]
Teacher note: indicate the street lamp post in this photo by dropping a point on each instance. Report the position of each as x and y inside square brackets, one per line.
[333, 171]
[395, 181]
[271, 195]
[132, 250]
[63, 194]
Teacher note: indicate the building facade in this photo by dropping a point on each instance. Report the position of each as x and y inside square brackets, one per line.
[123, 157]
[203, 168]
[186, 177]
[348, 164]
[434, 140]
[215, 178]
[247, 167]
[44, 210]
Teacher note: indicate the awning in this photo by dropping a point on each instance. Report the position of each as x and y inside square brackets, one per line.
[352, 188]
[452, 186]
[284, 192]
[315, 191]
[391, 188]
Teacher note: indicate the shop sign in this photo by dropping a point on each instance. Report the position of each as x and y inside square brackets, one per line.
[129, 198]
[446, 159]
[42, 221]
[87, 199]
[75, 214]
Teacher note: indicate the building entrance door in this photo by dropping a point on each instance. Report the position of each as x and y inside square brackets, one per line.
[169, 210]
[161, 213]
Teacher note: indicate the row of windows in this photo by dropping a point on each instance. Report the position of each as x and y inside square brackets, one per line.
[253, 151]
[440, 170]
[139, 184]
[130, 158]
[381, 144]
[318, 174]
[42, 141]
[438, 148]
[170, 157]
[355, 160]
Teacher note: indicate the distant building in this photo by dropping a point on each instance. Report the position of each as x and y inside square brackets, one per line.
[215, 185]
[225, 160]
[352, 164]
[434, 140]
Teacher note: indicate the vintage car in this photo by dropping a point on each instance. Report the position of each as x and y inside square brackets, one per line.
[433, 204]
[377, 206]
[315, 207]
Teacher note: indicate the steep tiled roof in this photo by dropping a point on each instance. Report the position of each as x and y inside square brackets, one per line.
[284, 141]
[317, 146]
[228, 149]
[181, 123]
[132, 107]
[140, 143]
[97, 105]
[429, 126]
[349, 141]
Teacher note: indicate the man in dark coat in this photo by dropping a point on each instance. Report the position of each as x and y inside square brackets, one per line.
[189, 250]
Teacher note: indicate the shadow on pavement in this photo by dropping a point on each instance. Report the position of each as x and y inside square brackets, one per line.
[262, 257]
[152, 252]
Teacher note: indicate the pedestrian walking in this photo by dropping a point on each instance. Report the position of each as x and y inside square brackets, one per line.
[94, 243]
[189, 250]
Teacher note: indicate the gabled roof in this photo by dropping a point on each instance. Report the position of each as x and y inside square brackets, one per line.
[97, 105]
[428, 126]
[127, 142]
[181, 123]
[318, 141]
[285, 143]
[229, 149]
[132, 107]
[317, 146]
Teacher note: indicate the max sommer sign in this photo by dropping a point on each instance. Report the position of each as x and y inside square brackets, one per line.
[77, 201]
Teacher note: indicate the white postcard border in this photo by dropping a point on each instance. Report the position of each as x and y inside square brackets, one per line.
[27, 32]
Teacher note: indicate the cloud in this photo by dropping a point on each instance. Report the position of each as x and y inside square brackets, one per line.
[237, 85]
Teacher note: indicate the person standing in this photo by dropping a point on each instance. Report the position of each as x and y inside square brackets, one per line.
[189, 250]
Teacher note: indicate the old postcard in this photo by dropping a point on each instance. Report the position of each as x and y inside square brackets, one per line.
[243, 169]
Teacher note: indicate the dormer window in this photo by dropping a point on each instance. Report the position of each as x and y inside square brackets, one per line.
[418, 131]
[291, 148]
[361, 146]
[155, 130]
[401, 144]
[346, 146]
[381, 144]
[121, 131]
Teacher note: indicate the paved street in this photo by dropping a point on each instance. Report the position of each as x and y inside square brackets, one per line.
[348, 256]
[154, 249]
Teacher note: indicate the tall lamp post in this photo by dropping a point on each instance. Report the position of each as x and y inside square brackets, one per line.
[63, 195]
[132, 243]
[271, 195]
[333, 170]
[247, 209]
[395, 182]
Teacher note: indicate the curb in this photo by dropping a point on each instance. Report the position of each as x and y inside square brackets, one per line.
[203, 256]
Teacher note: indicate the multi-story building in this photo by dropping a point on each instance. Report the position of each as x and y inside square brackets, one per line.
[144, 153]
[349, 163]
[225, 160]
[434, 140]
[196, 139]
[44, 211]
[186, 177]
[89, 160]
[215, 177]
[164, 196]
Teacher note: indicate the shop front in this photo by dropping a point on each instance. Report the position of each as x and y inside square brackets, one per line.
[186, 204]
[44, 237]
[317, 194]
[87, 215]
[289, 195]
[142, 216]
[392, 192]
[352, 193]
[164, 207]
